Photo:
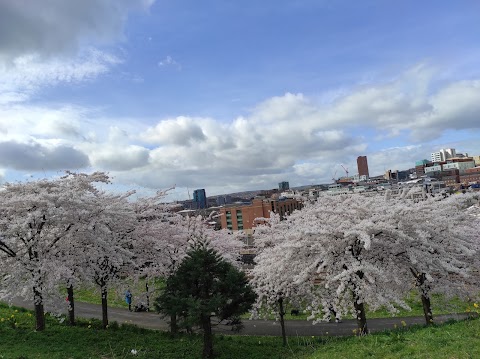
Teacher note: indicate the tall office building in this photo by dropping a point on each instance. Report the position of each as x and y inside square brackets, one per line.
[362, 165]
[284, 186]
[200, 198]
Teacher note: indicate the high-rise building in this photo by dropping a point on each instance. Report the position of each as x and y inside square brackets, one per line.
[443, 155]
[200, 198]
[284, 186]
[362, 165]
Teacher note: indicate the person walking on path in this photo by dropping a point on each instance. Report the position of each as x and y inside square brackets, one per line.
[128, 299]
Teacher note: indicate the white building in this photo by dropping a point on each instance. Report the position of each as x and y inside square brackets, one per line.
[477, 160]
[443, 154]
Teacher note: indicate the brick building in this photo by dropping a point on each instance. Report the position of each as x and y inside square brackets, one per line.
[242, 217]
[362, 166]
[471, 175]
[420, 167]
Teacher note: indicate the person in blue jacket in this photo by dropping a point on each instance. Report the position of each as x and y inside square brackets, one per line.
[128, 299]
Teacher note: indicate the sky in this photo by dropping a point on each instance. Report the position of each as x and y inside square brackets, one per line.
[234, 95]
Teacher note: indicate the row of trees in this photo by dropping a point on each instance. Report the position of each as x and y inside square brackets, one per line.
[56, 234]
[339, 254]
[333, 257]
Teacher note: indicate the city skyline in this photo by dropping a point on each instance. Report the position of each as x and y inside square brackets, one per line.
[232, 96]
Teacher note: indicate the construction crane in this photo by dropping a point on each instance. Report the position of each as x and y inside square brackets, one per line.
[346, 169]
[333, 177]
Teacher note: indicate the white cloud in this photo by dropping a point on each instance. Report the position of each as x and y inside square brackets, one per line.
[169, 61]
[290, 137]
[22, 122]
[115, 158]
[405, 104]
[58, 27]
[34, 156]
[27, 74]
[179, 131]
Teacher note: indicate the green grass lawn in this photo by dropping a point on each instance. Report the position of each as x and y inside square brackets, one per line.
[87, 340]
[452, 340]
[116, 296]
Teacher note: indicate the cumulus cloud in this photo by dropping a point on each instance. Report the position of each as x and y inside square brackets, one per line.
[290, 137]
[245, 150]
[113, 150]
[407, 104]
[34, 156]
[46, 43]
[22, 122]
[180, 131]
[113, 158]
[49, 28]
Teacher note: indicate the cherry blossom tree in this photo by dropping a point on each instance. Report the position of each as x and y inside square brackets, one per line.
[437, 243]
[277, 276]
[338, 240]
[159, 243]
[362, 250]
[35, 217]
[107, 243]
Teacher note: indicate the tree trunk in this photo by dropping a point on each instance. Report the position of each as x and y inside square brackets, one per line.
[281, 312]
[207, 337]
[104, 307]
[362, 328]
[173, 324]
[148, 297]
[71, 305]
[427, 308]
[424, 295]
[39, 310]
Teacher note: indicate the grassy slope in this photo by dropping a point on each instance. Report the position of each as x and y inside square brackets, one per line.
[18, 340]
[452, 340]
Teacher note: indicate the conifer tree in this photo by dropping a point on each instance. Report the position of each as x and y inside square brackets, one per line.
[205, 285]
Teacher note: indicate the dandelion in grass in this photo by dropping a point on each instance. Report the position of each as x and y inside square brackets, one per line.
[134, 351]
[403, 323]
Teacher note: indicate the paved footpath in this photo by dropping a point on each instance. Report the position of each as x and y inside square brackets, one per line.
[152, 320]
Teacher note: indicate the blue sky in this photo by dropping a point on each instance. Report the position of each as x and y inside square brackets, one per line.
[230, 95]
